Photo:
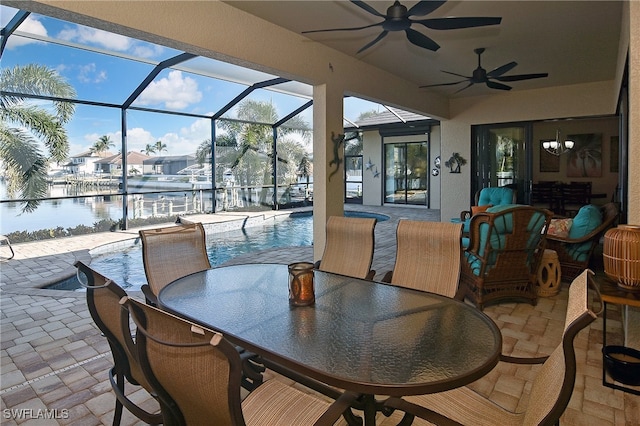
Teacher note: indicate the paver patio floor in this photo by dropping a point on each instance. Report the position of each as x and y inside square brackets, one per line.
[55, 361]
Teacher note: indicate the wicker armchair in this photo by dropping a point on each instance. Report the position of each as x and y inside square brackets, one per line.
[427, 257]
[197, 374]
[575, 253]
[103, 297]
[171, 253]
[550, 393]
[349, 247]
[506, 244]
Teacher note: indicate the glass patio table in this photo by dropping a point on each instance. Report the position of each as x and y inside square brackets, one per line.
[361, 336]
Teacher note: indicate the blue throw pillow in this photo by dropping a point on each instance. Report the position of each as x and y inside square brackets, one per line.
[587, 219]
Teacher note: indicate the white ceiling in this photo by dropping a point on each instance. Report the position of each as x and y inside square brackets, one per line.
[573, 41]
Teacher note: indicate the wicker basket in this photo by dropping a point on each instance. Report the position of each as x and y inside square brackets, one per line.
[621, 255]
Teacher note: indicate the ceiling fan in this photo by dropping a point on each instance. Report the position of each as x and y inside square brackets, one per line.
[480, 75]
[398, 18]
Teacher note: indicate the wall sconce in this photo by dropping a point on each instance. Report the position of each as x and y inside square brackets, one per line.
[436, 170]
[558, 146]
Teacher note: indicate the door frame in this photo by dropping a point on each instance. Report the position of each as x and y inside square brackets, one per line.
[481, 174]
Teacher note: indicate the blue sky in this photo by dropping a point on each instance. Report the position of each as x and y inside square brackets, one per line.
[111, 79]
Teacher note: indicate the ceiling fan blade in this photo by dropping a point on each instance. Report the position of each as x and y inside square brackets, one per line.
[465, 87]
[425, 7]
[501, 70]
[444, 84]
[343, 29]
[371, 10]
[499, 86]
[520, 77]
[458, 75]
[421, 40]
[371, 43]
[457, 23]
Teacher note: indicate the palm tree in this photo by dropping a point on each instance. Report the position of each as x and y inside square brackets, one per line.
[203, 153]
[149, 149]
[159, 147]
[102, 145]
[305, 169]
[24, 126]
[254, 140]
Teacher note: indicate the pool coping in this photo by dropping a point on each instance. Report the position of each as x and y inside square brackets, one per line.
[41, 263]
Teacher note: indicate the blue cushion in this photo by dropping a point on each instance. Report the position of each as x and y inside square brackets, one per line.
[587, 219]
[495, 196]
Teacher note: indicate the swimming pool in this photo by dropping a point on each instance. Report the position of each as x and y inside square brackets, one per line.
[125, 267]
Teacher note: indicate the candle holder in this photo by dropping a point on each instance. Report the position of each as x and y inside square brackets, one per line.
[301, 291]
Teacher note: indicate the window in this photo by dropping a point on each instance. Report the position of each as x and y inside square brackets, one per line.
[406, 173]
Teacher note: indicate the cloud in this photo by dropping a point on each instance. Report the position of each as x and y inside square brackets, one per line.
[89, 74]
[119, 43]
[81, 34]
[175, 91]
[145, 50]
[29, 25]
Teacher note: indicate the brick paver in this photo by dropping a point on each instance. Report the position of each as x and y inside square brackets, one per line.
[55, 362]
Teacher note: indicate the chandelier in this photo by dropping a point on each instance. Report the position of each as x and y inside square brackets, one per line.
[557, 146]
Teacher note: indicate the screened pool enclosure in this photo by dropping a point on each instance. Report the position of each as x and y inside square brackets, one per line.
[200, 134]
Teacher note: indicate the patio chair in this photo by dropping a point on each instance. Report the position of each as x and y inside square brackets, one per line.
[177, 251]
[489, 197]
[197, 373]
[546, 194]
[550, 393]
[501, 262]
[573, 196]
[349, 247]
[103, 297]
[588, 226]
[4, 241]
[171, 253]
[427, 257]
[485, 199]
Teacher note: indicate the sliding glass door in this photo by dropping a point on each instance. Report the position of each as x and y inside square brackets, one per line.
[406, 173]
[502, 156]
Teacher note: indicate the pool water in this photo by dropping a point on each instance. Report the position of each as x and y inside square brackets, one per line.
[126, 268]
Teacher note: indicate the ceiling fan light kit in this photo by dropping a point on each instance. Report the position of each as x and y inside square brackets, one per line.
[558, 146]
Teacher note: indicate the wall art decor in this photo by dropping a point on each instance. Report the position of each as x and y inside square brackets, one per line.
[337, 141]
[585, 159]
[455, 162]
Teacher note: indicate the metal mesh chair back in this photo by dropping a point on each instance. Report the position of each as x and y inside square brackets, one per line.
[173, 252]
[103, 297]
[554, 382]
[428, 256]
[349, 246]
[197, 374]
[550, 393]
[196, 371]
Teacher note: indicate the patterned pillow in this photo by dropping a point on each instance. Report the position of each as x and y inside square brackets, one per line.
[560, 227]
[479, 209]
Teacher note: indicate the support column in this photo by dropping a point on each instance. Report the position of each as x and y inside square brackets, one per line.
[328, 184]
